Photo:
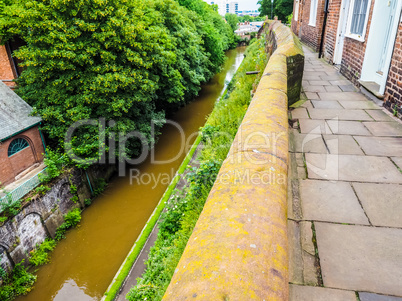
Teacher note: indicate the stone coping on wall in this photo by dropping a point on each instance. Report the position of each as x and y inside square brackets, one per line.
[238, 249]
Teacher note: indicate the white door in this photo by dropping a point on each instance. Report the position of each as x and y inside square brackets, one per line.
[380, 44]
[387, 38]
[340, 38]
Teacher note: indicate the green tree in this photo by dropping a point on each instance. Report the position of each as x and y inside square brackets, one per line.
[232, 20]
[217, 35]
[126, 60]
[281, 8]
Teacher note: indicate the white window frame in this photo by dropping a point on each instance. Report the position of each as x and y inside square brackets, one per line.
[360, 38]
[297, 7]
[313, 13]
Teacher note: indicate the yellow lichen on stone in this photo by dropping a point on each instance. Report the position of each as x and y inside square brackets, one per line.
[238, 249]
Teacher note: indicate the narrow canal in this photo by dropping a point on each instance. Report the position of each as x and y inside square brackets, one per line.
[83, 265]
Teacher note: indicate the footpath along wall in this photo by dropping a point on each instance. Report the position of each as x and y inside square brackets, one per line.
[239, 248]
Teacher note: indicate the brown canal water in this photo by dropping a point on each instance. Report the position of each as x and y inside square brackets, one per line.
[83, 265]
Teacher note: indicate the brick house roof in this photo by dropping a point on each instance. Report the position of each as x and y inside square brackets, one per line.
[14, 113]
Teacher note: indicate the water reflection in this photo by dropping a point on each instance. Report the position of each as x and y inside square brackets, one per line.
[70, 288]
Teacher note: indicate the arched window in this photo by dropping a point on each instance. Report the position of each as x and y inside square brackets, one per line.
[17, 145]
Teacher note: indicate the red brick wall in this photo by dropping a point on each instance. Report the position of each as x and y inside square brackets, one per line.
[353, 54]
[393, 90]
[332, 28]
[296, 24]
[310, 35]
[12, 166]
[6, 72]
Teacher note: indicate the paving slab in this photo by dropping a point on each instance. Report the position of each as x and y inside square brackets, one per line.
[341, 127]
[329, 104]
[359, 104]
[312, 95]
[295, 253]
[343, 82]
[307, 104]
[339, 114]
[314, 126]
[376, 297]
[314, 293]
[316, 73]
[348, 88]
[331, 202]
[380, 146]
[352, 168]
[333, 89]
[397, 161]
[342, 145]
[381, 202]
[389, 129]
[332, 78]
[309, 77]
[342, 96]
[306, 143]
[379, 115]
[299, 113]
[317, 89]
[360, 258]
[319, 83]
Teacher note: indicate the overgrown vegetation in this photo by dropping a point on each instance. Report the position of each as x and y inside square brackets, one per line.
[184, 208]
[129, 61]
[71, 220]
[281, 8]
[40, 255]
[18, 282]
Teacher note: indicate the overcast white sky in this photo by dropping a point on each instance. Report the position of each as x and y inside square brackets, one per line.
[247, 4]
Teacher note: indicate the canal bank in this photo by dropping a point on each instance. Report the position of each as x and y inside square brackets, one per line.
[84, 264]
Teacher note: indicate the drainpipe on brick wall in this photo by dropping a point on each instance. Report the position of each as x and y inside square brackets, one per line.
[324, 27]
[43, 140]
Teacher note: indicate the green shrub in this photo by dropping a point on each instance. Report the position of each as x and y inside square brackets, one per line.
[3, 219]
[100, 186]
[18, 282]
[40, 256]
[55, 163]
[42, 189]
[9, 207]
[71, 220]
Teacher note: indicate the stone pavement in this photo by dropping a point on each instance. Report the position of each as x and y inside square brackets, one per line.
[345, 193]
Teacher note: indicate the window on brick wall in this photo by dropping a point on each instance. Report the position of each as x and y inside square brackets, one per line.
[358, 18]
[313, 12]
[17, 145]
[296, 13]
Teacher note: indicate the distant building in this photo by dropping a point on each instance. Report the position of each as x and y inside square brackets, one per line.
[21, 144]
[252, 13]
[248, 27]
[225, 6]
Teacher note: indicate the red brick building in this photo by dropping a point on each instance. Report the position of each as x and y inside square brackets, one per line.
[362, 37]
[21, 144]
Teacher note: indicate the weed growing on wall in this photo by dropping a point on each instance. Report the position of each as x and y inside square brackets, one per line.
[71, 220]
[40, 255]
[18, 282]
[184, 208]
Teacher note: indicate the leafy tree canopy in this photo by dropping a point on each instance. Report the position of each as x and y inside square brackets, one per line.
[250, 19]
[282, 8]
[124, 60]
[232, 20]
